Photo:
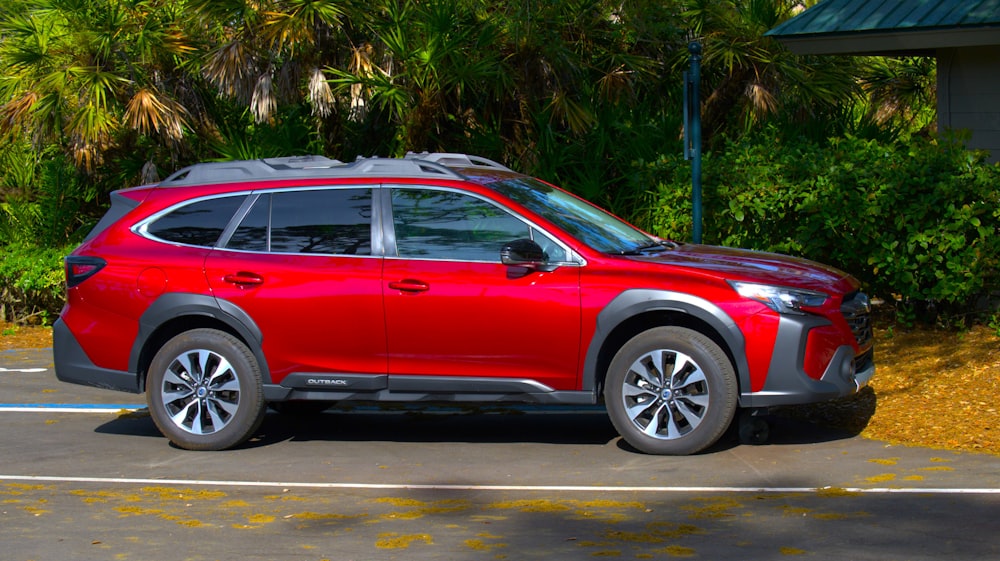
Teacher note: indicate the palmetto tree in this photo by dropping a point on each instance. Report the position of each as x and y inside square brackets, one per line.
[903, 90]
[444, 70]
[84, 74]
[261, 52]
[431, 69]
[572, 60]
[749, 78]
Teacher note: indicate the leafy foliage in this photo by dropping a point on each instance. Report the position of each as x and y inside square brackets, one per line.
[97, 95]
[917, 221]
[31, 283]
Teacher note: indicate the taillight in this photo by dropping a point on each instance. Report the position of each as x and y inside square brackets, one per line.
[81, 267]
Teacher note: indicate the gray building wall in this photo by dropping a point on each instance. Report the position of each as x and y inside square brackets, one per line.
[969, 94]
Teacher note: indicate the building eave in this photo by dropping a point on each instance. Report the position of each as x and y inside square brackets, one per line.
[896, 42]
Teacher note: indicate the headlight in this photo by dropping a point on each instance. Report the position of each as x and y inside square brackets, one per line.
[779, 298]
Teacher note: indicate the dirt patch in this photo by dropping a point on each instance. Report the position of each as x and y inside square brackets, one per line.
[932, 388]
[20, 337]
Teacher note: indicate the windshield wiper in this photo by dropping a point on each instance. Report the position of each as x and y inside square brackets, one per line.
[654, 246]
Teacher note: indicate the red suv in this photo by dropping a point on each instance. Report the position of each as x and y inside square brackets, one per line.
[438, 278]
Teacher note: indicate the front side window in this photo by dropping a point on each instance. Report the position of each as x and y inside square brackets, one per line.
[199, 223]
[324, 221]
[589, 224]
[432, 224]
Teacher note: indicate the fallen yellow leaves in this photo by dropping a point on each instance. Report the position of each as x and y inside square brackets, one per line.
[939, 389]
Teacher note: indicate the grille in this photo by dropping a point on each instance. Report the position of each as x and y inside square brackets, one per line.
[857, 311]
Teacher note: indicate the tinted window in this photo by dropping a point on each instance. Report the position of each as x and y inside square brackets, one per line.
[330, 221]
[447, 225]
[251, 235]
[200, 223]
[589, 224]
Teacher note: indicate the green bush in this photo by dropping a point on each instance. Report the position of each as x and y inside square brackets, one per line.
[31, 283]
[41, 201]
[916, 221]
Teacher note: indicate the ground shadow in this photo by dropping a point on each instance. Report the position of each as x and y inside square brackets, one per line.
[848, 414]
[493, 425]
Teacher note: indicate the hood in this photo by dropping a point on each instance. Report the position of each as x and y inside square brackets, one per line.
[755, 266]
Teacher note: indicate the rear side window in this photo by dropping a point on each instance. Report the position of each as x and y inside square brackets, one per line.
[199, 223]
[327, 221]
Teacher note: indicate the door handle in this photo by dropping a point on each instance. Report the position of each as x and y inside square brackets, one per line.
[409, 285]
[244, 278]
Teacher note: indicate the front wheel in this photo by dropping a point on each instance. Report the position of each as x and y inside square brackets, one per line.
[671, 390]
[205, 390]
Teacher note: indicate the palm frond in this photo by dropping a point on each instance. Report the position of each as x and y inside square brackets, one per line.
[320, 94]
[571, 112]
[263, 104]
[17, 112]
[229, 68]
[149, 112]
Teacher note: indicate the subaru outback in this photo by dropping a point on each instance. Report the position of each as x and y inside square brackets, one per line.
[229, 287]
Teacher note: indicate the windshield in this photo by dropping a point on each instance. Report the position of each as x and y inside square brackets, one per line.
[587, 223]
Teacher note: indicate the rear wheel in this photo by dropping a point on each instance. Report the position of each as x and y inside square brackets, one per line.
[671, 390]
[205, 390]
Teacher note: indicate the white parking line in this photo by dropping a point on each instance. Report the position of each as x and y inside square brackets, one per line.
[68, 408]
[445, 487]
[24, 370]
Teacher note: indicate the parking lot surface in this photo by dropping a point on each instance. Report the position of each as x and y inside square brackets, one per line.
[85, 475]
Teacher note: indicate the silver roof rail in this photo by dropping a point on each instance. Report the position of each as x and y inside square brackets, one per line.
[295, 167]
[457, 160]
[406, 167]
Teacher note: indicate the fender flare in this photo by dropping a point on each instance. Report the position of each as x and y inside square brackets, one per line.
[634, 302]
[180, 304]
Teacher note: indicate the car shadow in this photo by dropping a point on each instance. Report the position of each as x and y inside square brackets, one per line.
[446, 424]
[487, 425]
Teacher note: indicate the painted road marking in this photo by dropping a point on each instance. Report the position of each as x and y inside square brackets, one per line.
[356, 410]
[547, 488]
[25, 370]
[69, 407]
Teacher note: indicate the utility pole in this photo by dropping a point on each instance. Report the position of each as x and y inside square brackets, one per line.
[692, 134]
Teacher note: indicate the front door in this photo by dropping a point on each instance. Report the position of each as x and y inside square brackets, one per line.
[452, 309]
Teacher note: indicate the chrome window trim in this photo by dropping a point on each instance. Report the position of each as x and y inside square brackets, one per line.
[576, 260]
[141, 228]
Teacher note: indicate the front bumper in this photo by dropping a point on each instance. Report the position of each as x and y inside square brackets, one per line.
[787, 382]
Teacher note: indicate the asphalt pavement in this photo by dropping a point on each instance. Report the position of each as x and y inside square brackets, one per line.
[84, 474]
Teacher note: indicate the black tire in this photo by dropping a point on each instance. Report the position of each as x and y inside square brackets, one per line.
[205, 390]
[671, 390]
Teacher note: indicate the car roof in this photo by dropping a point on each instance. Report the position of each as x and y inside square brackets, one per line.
[438, 165]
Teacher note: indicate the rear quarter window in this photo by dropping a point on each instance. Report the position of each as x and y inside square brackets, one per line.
[199, 223]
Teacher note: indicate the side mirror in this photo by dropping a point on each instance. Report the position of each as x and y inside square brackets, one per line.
[524, 253]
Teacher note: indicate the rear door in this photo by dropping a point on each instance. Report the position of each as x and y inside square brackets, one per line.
[301, 264]
[452, 309]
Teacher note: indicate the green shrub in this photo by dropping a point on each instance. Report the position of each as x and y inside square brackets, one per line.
[31, 283]
[42, 198]
[917, 222]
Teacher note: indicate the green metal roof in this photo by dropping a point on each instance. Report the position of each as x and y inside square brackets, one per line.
[855, 26]
[841, 16]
